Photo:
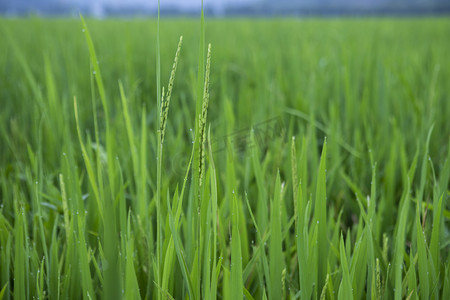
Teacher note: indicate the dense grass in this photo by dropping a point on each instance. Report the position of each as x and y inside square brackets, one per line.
[316, 165]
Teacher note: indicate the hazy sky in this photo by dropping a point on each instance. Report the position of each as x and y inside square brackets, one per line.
[181, 4]
[191, 3]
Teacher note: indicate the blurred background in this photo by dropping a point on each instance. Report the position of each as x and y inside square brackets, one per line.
[120, 8]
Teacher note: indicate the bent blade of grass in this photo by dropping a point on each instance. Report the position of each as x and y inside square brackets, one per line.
[95, 65]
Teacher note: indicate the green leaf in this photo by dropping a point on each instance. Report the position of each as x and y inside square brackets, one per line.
[345, 288]
[320, 217]
[236, 255]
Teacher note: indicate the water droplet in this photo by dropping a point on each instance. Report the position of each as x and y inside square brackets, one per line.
[94, 72]
[82, 30]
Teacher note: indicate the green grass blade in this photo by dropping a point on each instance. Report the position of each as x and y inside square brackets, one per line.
[400, 248]
[96, 67]
[320, 217]
[276, 262]
[236, 255]
[180, 254]
[345, 288]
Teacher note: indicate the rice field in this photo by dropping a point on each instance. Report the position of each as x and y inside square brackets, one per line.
[249, 159]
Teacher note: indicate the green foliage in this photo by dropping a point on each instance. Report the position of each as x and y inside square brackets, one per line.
[105, 195]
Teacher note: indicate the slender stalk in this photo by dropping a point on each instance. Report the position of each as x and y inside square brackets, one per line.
[159, 160]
